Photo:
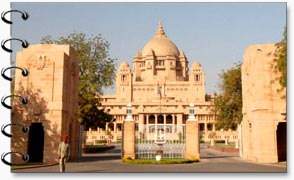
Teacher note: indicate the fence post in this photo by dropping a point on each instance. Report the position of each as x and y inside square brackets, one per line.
[192, 136]
[129, 135]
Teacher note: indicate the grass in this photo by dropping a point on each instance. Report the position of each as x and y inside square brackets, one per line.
[129, 160]
[283, 163]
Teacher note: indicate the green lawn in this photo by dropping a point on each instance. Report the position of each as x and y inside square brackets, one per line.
[230, 145]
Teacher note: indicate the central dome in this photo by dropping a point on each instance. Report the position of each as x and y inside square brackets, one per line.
[160, 45]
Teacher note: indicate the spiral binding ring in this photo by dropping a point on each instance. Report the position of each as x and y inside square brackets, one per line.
[24, 101]
[24, 15]
[24, 129]
[24, 44]
[25, 158]
[24, 72]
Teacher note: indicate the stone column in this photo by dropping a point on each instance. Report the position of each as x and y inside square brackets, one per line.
[164, 118]
[129, 135]
[164, 122]
[114, 127]
[205, 127]
[179, 123]
[192, 136]
[141, 122]
[173, 124]
[114, 132]
[156, 122]
[106, 127]
[147, 126]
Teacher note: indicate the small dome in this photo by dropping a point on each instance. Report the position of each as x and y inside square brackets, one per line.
[160, 45]
[124, 65]
[196, 65]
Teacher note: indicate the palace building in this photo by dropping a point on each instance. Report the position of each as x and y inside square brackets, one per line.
[160, 87]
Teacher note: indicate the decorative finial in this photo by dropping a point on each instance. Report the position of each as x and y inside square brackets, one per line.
[160, 24]
[160, 31]
[139, 54]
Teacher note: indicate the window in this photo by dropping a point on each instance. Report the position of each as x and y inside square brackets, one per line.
[160, 119]
[201, 126]
[197, 77]
[123, 78]
[169, 119]
[209, 126]
[160, 62]
[136, 127]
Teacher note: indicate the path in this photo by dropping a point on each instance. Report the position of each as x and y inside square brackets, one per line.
[211, 161]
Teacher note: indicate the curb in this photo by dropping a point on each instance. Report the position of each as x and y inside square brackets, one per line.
[34, 166]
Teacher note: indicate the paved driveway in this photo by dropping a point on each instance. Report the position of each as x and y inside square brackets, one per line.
[211, 161]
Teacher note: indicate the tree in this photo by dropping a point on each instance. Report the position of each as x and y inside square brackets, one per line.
[96, 71]
[281, 61]
[228, 104]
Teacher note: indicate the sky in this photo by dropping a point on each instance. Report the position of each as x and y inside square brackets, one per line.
[213, 34]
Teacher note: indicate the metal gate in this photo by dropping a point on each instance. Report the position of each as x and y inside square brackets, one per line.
[170, 138]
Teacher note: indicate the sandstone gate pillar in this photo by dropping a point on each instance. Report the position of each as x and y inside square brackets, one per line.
[192, 136]
[129, 135]
[52, 110]
[263, 106]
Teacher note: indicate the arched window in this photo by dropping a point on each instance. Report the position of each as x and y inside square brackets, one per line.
[123, 78]
[151, 119]
[197, 77]
[169, 119]
[160, 119]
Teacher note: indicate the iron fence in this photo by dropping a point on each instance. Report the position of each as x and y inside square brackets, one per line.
[172, 144]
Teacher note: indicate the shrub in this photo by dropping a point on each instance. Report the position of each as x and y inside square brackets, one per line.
[100, 141]
[126, 159]
[219, 141]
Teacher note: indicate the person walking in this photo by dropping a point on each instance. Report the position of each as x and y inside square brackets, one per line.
[63, 153]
